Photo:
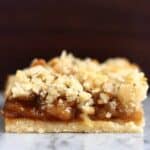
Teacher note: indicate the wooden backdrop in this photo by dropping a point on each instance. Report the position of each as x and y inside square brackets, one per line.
[97, 28]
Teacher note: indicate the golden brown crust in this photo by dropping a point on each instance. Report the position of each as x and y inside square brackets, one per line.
[27, 125]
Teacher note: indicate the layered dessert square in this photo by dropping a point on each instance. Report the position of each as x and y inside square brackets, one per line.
[69, 94]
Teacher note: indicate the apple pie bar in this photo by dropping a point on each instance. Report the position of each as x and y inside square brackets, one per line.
[69, 94]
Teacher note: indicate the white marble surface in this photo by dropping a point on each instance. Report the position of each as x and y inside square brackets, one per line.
[77, 141]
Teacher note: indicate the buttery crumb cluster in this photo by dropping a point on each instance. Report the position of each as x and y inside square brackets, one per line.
[85, 82]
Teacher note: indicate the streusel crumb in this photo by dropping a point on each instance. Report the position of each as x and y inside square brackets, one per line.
[84, 81]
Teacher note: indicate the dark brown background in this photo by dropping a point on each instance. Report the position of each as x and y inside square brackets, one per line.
[96, 28]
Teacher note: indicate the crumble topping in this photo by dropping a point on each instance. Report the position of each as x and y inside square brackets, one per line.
[86, 82]
[32, 80]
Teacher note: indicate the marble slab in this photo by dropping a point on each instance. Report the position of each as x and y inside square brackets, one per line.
[72, 141]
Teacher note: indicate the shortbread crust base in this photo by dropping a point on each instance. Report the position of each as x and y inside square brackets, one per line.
[21, 125]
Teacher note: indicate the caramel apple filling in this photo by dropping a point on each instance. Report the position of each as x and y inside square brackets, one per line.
[62, 110]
